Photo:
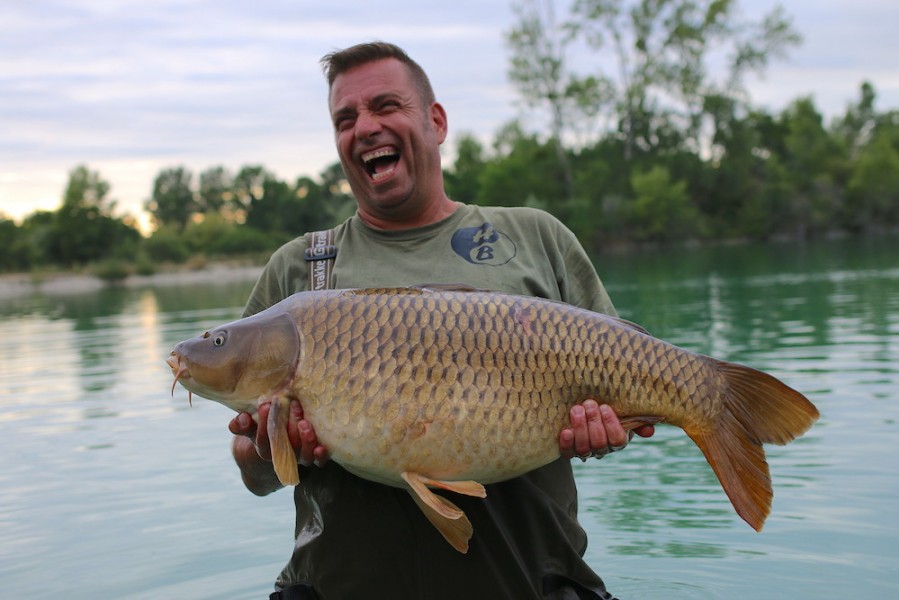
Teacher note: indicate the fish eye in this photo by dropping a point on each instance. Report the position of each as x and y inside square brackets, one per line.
[219, 339]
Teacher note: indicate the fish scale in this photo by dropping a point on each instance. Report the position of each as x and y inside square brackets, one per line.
[420, 387]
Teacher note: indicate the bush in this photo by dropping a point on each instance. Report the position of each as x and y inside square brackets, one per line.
[111, 270]
[166, 245]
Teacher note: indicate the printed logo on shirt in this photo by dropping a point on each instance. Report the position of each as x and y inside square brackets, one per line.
[484, 245]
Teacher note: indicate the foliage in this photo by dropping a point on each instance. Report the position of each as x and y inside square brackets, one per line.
[654, 150]
[661, 210]
[173, 201]
[84, 229]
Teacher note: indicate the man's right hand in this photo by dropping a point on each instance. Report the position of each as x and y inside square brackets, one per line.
[252, 451]
[299, 431]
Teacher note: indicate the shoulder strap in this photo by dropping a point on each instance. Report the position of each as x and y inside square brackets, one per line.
[320, 254]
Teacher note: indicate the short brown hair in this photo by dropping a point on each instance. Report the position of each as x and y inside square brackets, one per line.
[341, 61]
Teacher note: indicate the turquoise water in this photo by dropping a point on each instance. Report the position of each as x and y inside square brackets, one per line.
[110, 487]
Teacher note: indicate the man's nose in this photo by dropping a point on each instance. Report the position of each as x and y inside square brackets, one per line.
[367, 126]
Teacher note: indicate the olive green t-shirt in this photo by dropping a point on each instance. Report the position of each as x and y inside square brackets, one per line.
[359, 539]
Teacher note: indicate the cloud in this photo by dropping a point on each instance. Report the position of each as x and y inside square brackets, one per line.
[129, 87]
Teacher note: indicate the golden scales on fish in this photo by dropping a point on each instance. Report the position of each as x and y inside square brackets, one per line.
[455, 388]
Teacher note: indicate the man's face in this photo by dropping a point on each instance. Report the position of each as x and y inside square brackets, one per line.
[388, 141]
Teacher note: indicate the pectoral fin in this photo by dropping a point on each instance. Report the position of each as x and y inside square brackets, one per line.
[284, 457]
[448, 518]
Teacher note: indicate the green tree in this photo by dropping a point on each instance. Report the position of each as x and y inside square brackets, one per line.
[15, 253]
[661, 210]
[215, 190]
[523, 171]
[463, 180]
[248, 190]
[662, 50]
[173, 202]
[873, 190]
[817, 164]
[540, 70]
[84, 229]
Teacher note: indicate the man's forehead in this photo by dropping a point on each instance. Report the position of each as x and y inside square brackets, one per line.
[369, 80]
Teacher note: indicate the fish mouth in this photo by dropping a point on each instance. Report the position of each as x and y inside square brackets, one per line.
[180, 371]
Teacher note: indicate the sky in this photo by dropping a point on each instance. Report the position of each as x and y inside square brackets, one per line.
[130, 87]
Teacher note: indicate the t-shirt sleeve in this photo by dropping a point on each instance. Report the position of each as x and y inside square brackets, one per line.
[285, 273]
[576, 277]
[581, 285]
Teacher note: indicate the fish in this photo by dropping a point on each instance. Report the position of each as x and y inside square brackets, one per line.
[454, 388]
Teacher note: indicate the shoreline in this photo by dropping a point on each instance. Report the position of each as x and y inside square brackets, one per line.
[14, 285]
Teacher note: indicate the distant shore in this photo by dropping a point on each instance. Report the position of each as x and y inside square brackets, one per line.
[23, 284]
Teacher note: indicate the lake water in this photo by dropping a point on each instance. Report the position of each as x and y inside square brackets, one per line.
[110, 487]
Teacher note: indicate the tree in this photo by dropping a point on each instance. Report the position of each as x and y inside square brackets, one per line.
[661, 210]
[817, 166]
[248, 190]
[873, 190]
[662, 49]
[173, 202]
[538, 68]
[215, 190]
[523, 171]
[84, 229]
[463, 181]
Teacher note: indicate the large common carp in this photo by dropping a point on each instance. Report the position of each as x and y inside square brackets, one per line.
[426, 387]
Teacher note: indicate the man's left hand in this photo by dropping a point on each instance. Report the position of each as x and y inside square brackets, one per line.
[596, 431]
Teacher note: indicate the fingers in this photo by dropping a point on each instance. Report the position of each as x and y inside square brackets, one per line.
[595, 431]
[303, 438]
[299, 432]
[242, 424]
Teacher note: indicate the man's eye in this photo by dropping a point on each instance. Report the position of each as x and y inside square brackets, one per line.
[343, 124]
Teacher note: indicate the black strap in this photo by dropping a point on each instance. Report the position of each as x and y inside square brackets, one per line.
[320, 253]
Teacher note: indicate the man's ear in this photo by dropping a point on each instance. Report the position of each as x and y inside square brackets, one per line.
[437, 116]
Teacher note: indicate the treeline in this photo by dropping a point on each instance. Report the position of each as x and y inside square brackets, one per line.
[764, 176]
[642, 144]
[221, 214]
[761, 176]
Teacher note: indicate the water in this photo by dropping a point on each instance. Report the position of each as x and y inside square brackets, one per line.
[112, 488]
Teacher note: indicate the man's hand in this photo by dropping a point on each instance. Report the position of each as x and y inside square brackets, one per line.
[256, 468]
[595, 431]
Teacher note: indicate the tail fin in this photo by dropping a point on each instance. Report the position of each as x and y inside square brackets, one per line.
[759, 409]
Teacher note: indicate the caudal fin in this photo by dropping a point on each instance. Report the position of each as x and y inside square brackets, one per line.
[759, 409]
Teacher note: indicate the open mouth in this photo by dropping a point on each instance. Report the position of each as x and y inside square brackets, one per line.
[381, 163]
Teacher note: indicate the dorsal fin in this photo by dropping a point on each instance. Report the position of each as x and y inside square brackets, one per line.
[449, 287]
[629, 325]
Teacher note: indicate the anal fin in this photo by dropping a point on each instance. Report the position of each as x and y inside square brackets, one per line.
[466, 488]
[448, 518]
[284, 458]
[632, 422]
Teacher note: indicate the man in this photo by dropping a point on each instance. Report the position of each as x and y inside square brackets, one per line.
[358, 539]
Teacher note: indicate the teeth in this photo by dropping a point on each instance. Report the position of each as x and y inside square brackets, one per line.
[380, 153]
[369, 157]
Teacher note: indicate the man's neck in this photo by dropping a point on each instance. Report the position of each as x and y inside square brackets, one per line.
[435, 212]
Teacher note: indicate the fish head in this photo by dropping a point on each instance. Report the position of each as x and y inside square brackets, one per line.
[239, 362]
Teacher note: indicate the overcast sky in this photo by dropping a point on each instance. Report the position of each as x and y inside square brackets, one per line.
[129, 87]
